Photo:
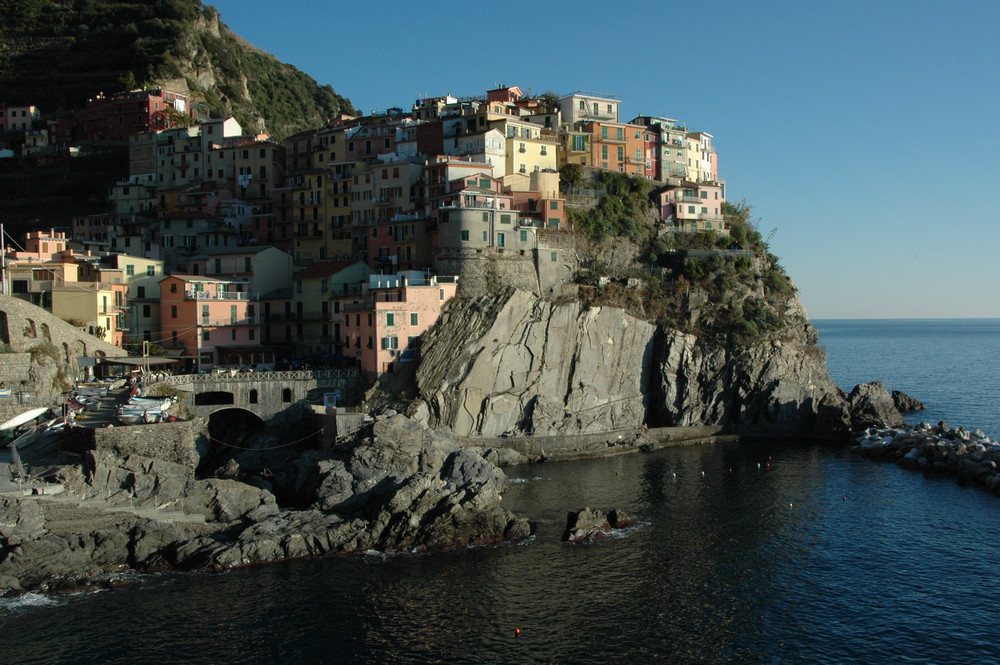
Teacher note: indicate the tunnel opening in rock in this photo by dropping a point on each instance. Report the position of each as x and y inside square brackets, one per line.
[230, 432]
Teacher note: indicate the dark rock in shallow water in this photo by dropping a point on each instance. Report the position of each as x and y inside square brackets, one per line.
[870, 405]
[589, 523]
[904, 403]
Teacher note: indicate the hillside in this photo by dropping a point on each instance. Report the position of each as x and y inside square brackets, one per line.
[56, 54]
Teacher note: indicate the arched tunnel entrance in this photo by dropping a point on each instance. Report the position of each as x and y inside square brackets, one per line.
[231, 432]
[243, 447]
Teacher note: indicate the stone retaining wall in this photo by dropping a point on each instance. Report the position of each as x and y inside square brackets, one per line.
[597, 445]
[14, 369]
[170, 442]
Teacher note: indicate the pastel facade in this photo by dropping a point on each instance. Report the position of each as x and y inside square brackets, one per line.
[692, 207]
[583, 106]
[215, 321]
[385, 328]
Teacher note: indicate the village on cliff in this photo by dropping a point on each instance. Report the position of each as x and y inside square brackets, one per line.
[339, 245]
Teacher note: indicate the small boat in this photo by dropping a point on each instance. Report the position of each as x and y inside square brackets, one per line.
[23, 418]
[92, 389]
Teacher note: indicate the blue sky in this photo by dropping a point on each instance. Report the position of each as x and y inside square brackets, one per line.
[865, 134]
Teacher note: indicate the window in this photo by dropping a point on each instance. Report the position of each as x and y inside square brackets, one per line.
[253, 397]
[390, 342]
[150, 271]
[140, 292]
[390, 319]
[130, 269]
[620, 134]
[486, 236]
[173, 311]
[173, 288]
[465, 235]
[440, 294]
[604, 152]
[286, 395]
[505, 219]
[147, 311]
[501, 240]
[252, 334]
[604, 132]
[690, 210]
[414, 319]
[555, 256]
[204, 335]
[621, 153]
[553, 205]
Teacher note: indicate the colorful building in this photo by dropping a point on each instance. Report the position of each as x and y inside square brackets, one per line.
[384, 329]
[214, 322]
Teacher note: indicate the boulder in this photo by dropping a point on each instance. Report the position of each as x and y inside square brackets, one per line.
[870, 405]
[588, 523]
[904, 403]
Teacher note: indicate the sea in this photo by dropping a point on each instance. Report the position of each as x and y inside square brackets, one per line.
[775, 552]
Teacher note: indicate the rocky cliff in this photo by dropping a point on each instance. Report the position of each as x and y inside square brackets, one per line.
[396, 486]
[515, 361]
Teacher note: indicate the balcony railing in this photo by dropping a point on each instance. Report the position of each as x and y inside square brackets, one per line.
[191, 294]
[247, 321]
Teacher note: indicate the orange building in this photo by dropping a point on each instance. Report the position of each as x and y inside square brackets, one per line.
[212, 321]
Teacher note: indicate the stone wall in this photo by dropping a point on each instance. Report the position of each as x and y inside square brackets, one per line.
[14, 369]
[169, 442]
[24, 326]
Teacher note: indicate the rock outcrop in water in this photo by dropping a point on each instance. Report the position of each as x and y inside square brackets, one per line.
[514, 361]
[399, 486]
[968, 455]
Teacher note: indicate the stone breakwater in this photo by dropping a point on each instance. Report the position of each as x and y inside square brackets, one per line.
[968, 455]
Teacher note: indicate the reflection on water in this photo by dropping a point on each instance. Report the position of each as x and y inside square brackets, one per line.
[741, 554]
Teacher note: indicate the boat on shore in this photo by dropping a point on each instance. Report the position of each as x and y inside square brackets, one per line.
[23, 418]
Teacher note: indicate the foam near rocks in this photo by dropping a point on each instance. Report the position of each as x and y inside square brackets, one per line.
[969, 455]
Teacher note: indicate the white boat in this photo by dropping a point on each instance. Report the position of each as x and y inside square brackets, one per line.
[23, 418]
[92, 389]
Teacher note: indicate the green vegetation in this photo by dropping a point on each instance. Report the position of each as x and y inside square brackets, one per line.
[59, 53]
[620, 212]
[724, 288]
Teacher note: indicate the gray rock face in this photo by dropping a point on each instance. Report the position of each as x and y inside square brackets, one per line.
[518, 362]
[870, 405]
[401, 487]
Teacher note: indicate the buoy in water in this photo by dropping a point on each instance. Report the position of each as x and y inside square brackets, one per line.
[618, 473]
[517, 632]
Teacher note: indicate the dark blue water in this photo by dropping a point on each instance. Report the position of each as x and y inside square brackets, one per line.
[949, 364]
[815, 556]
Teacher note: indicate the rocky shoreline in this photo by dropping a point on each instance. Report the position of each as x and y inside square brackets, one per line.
[967, 455]
[397, 486]
[135, 504]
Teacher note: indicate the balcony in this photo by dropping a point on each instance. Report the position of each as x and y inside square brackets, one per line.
[220, 322]
[191, 294]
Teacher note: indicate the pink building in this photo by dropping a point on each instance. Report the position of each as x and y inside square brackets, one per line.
[384, 328]
[693, 207]
[212, 321]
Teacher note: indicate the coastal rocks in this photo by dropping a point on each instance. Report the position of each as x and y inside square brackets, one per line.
[588, 523]
[904, 403]
[398, 487]
[516, 362]
[969, 456]
[870, 405]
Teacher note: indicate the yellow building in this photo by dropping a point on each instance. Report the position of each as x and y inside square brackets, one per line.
[529, 146]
